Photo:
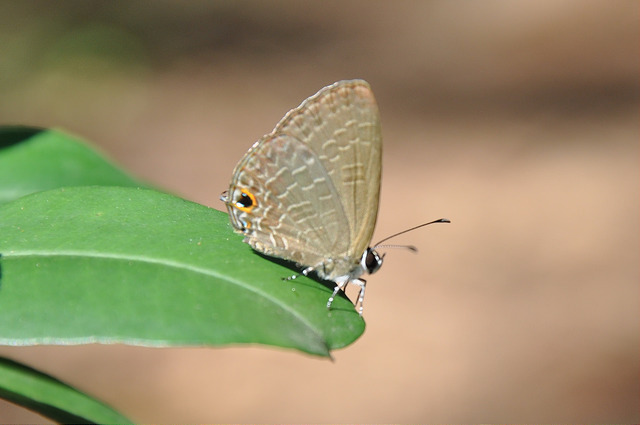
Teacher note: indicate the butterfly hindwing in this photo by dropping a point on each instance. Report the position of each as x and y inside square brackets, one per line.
[296, 213]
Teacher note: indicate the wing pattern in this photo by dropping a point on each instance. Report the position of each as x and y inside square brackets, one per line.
[309, 190]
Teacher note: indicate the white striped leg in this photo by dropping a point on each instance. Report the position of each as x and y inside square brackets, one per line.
[340, 285]
[304, 272]
[360, 303]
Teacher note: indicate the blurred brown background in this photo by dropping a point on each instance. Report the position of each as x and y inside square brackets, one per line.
[516, 120]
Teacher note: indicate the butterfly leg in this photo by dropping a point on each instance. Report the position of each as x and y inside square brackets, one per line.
[360, 303]
[340, 285]
[304, 272]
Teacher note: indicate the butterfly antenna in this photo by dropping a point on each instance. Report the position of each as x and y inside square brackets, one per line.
[442, 220]
[409, 247]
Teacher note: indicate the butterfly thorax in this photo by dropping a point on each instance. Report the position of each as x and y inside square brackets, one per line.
[345, 269]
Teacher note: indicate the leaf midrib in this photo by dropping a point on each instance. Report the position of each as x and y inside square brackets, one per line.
[172, 264]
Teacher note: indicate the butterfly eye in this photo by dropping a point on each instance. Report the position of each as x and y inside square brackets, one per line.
[246, 202]
[371, 261]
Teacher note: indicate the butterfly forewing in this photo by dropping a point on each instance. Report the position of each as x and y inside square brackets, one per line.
[341, 124]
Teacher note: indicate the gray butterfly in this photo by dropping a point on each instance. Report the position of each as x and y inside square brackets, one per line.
[308, 191]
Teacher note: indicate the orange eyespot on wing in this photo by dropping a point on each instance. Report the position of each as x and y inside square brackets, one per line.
[247, 201]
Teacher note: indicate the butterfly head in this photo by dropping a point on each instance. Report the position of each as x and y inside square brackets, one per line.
[371, 261]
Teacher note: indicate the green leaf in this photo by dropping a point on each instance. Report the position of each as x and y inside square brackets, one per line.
[33, 160]
[49, 397]
[135, 266]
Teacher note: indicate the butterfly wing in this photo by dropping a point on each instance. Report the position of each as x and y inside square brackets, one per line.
[284, 202]
[341, 125]
[309, 191]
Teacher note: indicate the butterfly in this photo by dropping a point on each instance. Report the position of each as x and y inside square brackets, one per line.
[308, 191]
